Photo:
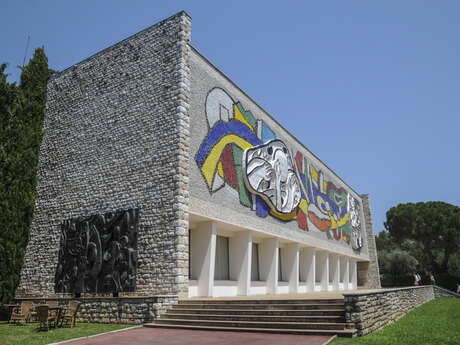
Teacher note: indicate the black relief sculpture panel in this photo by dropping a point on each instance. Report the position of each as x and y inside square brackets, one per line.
[98, 254]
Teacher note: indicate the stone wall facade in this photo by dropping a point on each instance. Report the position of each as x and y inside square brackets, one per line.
[370, 311]
[116, 138]
[368, 272]
[125, 310]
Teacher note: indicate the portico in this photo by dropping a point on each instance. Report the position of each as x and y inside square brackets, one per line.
[226, 260]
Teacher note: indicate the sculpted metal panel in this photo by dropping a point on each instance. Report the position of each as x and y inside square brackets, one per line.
[98, 253]
[269, 172]
[354, 208]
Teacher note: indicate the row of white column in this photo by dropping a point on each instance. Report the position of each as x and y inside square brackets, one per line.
[299, 264]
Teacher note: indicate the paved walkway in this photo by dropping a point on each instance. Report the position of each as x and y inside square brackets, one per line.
[163, 336]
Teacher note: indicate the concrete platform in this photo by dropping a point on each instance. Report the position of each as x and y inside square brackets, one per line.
[308, 295]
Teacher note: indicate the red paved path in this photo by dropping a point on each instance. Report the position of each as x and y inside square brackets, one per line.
[163, 336]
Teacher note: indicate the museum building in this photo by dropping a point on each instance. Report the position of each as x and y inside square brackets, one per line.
[159, 176]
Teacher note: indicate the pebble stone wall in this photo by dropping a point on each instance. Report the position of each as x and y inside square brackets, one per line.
[370, 311]
[116, 137]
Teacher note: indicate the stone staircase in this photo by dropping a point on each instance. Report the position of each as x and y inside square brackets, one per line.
[299, 316]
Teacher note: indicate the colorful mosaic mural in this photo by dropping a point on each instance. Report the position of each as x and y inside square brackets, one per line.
[244, 153]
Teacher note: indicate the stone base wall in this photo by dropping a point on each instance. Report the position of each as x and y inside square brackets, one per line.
[441, 292]
[371, 310]
[123, 310]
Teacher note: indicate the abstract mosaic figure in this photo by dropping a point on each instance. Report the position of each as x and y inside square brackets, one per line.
[231, 131]
[98, 253]
[243, 153]
[269, 173]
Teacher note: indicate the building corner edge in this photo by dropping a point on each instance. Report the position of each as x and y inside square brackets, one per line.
[369, 271]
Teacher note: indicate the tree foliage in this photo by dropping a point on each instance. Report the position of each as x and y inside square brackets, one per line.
[434, 228]
[427, 231]
[396, 267]
[21, 120]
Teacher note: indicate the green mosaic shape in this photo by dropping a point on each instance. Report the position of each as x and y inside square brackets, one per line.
[245, 196]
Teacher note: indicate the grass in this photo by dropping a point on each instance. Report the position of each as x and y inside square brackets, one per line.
[27, 334]
[434, 323]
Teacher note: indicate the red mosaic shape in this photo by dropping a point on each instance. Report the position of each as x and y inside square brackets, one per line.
[228, 166]
[302, 220]
[299, 161]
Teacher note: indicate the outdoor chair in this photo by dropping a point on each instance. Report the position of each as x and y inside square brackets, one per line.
[54, 311]
[52, 303]
[45, 317]
[23, 313]
[70, 314]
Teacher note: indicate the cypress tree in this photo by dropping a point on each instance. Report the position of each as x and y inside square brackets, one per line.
[21, 113]
[9, 94]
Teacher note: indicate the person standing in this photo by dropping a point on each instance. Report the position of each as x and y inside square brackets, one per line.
[432, 280]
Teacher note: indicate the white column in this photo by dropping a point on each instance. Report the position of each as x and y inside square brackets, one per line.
[353, 274]
[334, 260]
[292, 266]
[240, 247]
[269, 263]
[309, 267]
[322, 258]
[346, 274]
[204, 257]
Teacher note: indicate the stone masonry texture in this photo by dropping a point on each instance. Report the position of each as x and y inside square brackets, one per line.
[116, 135]
[369, 311]
[368, 272]
[125, 310]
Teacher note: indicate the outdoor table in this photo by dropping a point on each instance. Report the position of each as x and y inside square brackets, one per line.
[10, 309]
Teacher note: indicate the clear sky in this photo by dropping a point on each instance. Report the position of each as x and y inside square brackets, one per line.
[371, 87]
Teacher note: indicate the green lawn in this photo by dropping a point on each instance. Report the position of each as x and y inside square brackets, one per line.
[434, 323]
[27, 334]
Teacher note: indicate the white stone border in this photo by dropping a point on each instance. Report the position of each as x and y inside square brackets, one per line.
[331, 339]
[95, 335]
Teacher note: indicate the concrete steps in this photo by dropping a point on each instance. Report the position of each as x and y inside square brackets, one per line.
[251, 306]
[299, 316]
[269, 318]
[253, 324]
[345, 333]
[275, 312]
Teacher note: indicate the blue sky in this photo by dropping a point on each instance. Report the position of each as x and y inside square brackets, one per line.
[371, 87]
